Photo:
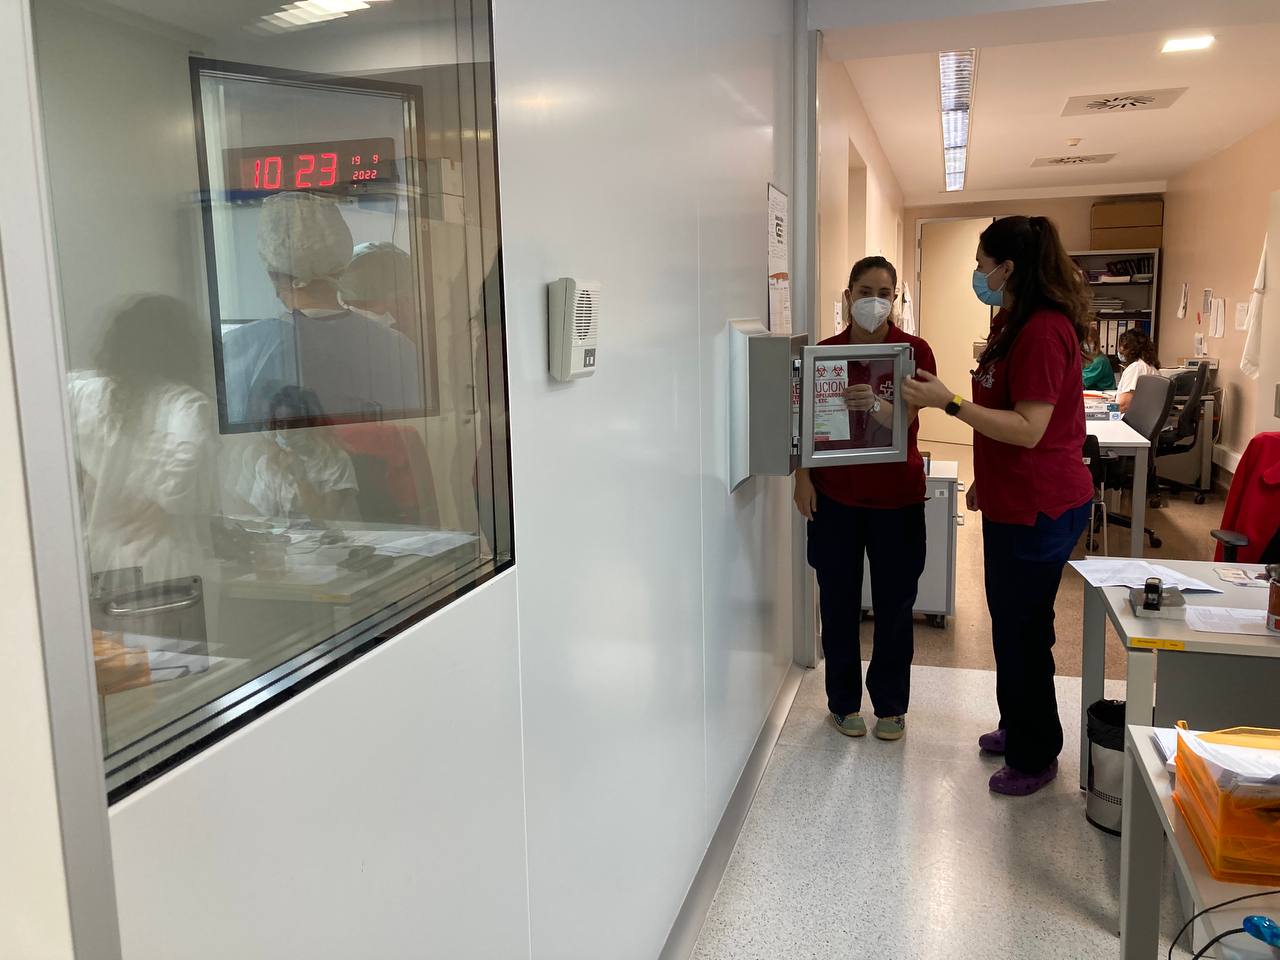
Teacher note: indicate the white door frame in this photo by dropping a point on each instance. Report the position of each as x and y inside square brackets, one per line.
[39, 368]
[804, 246]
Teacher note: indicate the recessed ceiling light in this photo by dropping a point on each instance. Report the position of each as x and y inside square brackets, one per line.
[1183, 44]
[955, 82]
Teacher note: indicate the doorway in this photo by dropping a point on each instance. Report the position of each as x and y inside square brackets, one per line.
[951, 318]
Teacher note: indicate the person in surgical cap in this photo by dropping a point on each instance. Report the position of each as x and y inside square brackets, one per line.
[357, 368]
[379, 284]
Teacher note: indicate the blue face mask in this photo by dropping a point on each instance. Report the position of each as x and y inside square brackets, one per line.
[992, 298]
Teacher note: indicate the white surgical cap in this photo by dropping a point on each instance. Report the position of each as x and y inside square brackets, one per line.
[378, 271]
[303, 236]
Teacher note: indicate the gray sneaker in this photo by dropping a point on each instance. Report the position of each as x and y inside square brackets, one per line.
[891, 728]
[851, 724]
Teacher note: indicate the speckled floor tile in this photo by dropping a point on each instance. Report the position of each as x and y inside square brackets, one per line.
[863, 849]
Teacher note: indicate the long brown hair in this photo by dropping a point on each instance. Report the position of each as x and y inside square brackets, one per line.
[1136, 345]
[1043, 277]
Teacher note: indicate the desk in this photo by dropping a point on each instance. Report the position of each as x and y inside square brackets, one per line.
[1118, 437]
[1144, 638]
[1149, 817]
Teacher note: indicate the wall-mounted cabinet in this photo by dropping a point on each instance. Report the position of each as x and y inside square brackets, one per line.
[793, 405]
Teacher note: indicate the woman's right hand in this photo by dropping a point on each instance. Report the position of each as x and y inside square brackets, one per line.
[971, 496]
[805, 496]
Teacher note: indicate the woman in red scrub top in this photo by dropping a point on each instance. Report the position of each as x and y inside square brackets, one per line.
[876, 508]
[1030, 481]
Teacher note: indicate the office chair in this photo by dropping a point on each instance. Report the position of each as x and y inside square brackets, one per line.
[1093, 459]
[1180, 435]
[1251, 517]
[1148, 412]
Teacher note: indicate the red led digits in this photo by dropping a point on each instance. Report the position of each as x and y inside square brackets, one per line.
[272, 173]
[306, 164]
[328, 169]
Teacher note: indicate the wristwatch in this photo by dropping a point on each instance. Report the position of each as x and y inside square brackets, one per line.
[953, 405]
[875, 407]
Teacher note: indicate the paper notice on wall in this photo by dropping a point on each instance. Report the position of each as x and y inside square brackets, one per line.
[1218, 317]
[779, 265]
[1182, 302]
[1242, 316]
[830, 415]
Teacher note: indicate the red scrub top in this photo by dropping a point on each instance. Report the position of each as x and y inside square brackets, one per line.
[1015, 484]
[881, 486]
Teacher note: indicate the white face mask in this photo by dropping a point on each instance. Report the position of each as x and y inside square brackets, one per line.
[871, 312]
[383, 318]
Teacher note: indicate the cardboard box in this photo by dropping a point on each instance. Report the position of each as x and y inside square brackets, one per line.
[1125, 238]
[1127, 213]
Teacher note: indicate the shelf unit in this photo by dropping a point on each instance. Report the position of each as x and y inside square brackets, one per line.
[1139, 299]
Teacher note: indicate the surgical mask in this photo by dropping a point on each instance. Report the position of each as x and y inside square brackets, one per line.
[383, 318]
[870, 312]
[992, 298]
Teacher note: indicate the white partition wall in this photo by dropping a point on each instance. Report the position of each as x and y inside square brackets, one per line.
[654, 606]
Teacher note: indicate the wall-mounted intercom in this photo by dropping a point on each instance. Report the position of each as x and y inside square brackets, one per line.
[573, 327]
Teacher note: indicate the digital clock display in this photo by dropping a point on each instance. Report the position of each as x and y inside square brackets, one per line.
[337, 167]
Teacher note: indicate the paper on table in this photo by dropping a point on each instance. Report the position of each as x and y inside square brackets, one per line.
[1239, 578]
[1244, 765]
[1243, 620]
[1166, 741]
[1134, 573]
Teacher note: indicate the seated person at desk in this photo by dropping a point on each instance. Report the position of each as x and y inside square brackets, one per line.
[1097, 371]
[1140, 360]
[359, 368]
[302, 471]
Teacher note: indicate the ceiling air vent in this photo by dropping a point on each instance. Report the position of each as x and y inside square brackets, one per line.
[1129, 102]
[1074, 160]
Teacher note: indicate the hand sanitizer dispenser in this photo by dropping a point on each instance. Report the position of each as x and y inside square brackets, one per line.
[573, 327]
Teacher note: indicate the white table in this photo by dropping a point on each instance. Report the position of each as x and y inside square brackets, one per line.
[1116, 436]
[1149, 817]
[1145, 638]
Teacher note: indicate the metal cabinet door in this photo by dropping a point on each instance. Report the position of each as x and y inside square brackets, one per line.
[830, 434]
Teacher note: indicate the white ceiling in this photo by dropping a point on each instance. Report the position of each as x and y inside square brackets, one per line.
[1022, 88]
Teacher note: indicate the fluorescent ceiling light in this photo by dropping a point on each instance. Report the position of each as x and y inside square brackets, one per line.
[955, 70]
[955, 87]
[334, 6]
[1183, 44]
[310, 12]
[955, 128]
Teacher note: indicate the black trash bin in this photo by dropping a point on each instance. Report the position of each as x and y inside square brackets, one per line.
[1106, 765]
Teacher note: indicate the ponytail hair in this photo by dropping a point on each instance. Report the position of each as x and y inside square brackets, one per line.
[1044, 277]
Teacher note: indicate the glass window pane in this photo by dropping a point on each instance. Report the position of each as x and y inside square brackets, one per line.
[277, 251]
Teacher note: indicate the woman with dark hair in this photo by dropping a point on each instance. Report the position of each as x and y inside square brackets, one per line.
[1031, 483]
[1140, 360]
[1098, 374]
[144, 436]
[874, 508]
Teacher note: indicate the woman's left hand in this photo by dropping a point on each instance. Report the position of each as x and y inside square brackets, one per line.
[926, 390]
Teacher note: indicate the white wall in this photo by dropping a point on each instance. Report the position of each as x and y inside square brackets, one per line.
[35, 919]
[847, 139]
[537, 770]
[1267, 414]
[636, 146]
[377, 814]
